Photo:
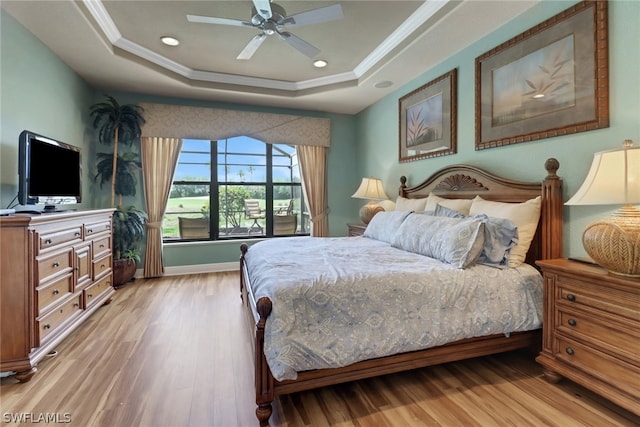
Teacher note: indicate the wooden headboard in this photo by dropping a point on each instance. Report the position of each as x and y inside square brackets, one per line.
[467, 182]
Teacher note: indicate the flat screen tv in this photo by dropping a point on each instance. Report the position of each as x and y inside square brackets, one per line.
[49, 171]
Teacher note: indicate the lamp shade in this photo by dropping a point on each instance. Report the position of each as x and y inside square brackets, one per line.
[370, 189]
[614, 179]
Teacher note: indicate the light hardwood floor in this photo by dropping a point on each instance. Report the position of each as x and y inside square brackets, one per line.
[174, 352]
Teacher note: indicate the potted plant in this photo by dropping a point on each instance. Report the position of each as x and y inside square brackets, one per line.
[128, 232]
[121, 124]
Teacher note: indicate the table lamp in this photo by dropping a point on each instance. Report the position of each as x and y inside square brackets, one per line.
[371, 189]
[614, 179]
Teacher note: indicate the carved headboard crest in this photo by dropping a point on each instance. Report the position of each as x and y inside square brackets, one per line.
[460, 182]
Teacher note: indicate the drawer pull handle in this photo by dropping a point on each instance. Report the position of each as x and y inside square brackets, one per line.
[571, 297]
[102, 265]
[90, 295]
[48, 242]
[47, 326]
[56, 292]
[571, 322]
[101, 246]
[76, 305]
[56, 264]
[570, 351]
[77, 233]
[89, 230]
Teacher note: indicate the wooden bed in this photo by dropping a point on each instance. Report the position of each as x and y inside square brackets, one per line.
[458, 181]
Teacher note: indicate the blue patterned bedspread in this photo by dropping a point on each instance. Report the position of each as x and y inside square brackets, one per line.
[337, 301]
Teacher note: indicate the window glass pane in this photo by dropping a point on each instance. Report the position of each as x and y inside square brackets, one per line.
[289, 212]
[235, 218]
[185, 200]
[250, 173]
[194, 162]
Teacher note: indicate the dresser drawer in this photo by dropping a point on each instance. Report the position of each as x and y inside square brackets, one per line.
[101, 266]
[622, 375]
[94, 291]
[54, 264]
[49, 323]
[609, 333]
[50, 239]
[101, 246]
[96, 228]
[54, 291]
[599, 296]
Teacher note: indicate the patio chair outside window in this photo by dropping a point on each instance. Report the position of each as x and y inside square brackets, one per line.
[252, 211]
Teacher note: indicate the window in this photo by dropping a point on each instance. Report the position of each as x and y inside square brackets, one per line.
[235, 188]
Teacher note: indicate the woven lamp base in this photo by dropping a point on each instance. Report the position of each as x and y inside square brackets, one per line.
[614, 242]
[369, 210]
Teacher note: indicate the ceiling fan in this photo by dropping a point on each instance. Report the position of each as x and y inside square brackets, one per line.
[272, 19]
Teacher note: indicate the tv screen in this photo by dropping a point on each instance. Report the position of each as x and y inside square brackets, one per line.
[49, 171]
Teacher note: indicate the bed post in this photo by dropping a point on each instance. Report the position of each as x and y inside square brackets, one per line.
[243, 252]
[264, 378]
[551, 212]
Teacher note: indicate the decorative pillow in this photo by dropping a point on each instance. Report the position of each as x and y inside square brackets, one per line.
[500, 235]
[460, 205]
[384, 225]
[457, 241]
[415, 205]
[524, 215]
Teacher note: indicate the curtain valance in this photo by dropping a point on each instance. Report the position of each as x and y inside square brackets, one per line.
[180, 121]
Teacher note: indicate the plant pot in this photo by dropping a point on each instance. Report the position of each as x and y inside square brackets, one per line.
[123, 271]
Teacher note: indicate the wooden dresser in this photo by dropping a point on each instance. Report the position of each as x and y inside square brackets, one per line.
[55, 270]
[591, 330]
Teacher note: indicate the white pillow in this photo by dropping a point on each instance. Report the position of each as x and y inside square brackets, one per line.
[460, 205]
[412, 205]
[384, 225]
[457, 241]
[524, 215]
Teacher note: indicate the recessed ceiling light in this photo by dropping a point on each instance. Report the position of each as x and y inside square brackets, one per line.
[320, 63]
[383, 84]
[170, 41]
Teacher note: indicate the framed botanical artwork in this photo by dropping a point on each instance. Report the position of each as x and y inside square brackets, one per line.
[551, 80]
[428, 119]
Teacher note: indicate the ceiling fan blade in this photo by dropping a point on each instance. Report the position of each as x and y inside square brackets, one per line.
[252, 46]
[263, 7]
[222, 21]
[315, 16]
[299, 44]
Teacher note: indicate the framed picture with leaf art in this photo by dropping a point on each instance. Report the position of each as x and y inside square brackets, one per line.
[428, 119]
[551, 80]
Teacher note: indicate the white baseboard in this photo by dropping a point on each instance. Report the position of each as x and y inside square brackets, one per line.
[182, 270]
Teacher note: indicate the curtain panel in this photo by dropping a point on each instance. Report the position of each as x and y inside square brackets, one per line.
[159, 159]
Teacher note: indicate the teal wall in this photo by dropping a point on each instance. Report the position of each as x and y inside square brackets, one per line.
[39, 93]
[377, 126]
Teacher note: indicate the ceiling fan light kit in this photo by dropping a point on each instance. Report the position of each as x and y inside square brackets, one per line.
[272, 19]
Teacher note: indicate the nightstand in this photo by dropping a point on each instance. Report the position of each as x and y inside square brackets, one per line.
[591, 330]
[356, 229]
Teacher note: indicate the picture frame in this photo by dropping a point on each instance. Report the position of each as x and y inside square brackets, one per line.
[551, 80]
[428, 119]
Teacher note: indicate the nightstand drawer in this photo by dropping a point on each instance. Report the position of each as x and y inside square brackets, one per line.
[608, 333]
[624, 376]
[594, 295]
